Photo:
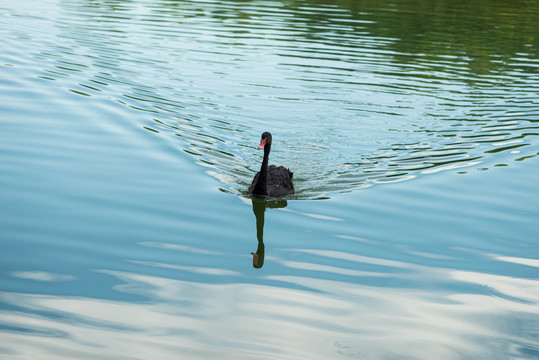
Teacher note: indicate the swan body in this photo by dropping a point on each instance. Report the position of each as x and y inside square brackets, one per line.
[273, 181]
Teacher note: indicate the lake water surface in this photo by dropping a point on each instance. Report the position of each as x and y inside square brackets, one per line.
[128, 134]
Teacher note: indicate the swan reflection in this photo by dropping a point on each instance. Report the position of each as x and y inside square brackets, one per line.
[259, 209]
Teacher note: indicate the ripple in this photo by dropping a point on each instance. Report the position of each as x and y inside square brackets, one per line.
[513, 290]
[349, 105]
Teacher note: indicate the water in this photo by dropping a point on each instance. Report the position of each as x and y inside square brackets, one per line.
[128, 134]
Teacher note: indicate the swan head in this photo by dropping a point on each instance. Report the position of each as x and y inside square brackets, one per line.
[265, 140]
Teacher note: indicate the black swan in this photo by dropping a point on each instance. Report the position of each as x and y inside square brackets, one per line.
[271, 181]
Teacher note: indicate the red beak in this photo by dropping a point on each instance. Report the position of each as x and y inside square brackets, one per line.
[262, 144]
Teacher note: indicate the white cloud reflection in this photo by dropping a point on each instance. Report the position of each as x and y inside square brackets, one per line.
[310, 319]
[517, 260]
[513, 289]
[41, 276]
[194, 269]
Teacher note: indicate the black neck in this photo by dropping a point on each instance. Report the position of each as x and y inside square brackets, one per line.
[261, 187]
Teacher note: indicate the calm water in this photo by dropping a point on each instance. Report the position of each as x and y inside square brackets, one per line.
[128, 134]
